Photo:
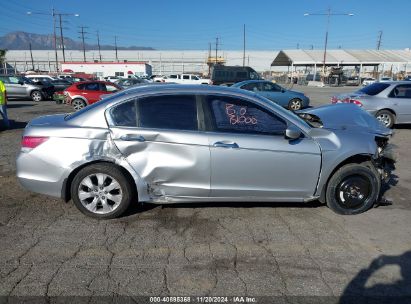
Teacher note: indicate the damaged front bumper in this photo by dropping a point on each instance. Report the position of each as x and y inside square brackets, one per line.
[385, 160]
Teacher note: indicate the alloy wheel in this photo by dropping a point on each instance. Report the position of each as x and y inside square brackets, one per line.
[100, 193]
[295, 105]
[78, 104]
[36, 96]
[385, 119]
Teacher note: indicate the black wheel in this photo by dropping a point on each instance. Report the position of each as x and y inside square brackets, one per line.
[101, 191]
[386, 117]
[353, 189]
[78, 104]
[36, 96]
[295, 104]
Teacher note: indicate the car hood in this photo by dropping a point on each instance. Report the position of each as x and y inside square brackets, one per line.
[347, 117]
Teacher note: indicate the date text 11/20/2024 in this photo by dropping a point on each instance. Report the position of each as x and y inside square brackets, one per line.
[232, 299]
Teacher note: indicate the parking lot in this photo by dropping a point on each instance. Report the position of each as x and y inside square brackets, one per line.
[267, 249]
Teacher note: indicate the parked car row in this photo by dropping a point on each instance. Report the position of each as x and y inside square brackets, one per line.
[22, 87]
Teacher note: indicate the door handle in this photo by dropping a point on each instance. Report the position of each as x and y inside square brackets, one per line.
[132, 137]
[222, 144]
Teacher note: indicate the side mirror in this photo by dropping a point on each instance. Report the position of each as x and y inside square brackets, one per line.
[292, 132]
[282, 90]
[21, 82]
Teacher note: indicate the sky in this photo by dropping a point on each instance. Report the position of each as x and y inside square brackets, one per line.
[193, 24]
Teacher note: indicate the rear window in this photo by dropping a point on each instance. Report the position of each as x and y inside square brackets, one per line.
[374, 89]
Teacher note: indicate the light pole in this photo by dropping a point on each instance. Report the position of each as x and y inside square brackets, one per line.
[328, 13]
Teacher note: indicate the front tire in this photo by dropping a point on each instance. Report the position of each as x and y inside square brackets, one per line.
[353, 189]
[295, 104]
[386, 118]
[101, 191]
[36, 96]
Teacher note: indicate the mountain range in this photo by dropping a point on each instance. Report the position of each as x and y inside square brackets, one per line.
[22, 40]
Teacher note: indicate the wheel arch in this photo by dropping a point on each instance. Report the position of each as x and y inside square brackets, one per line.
[353, 159]
[80, 97]
[389, 110]
[65, 191]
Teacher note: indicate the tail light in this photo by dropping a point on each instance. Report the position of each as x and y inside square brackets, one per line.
[356, 102]
[32, 142]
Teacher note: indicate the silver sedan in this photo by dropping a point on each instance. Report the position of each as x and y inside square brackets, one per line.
[190, 143]
[389, 102]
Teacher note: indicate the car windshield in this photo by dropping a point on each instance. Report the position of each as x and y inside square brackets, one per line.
[374, 89]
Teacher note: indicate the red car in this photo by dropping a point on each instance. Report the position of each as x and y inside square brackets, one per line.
[85, 93]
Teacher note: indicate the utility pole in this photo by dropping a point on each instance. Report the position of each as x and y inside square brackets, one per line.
[378, 47]
[379, 40]
[61, 30]
[298, 46]
[98, 44]
[244, 45]
[55, 39]
[115, 45]
[62, 38]
[216, 49]
[31, 55]
[82, 32]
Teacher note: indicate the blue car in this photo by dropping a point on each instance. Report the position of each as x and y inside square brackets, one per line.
[291, 100]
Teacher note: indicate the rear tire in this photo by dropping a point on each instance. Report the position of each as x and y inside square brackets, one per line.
[353, 189]
[101, 191]
[78, 104]
[295, 104]
[386, 117]
[36, 96]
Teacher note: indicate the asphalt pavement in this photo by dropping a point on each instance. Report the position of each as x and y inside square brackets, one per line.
[47, 247]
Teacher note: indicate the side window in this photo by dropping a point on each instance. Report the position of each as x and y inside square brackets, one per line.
[92, 86]
[238, 116]
[125, 114]
[401, 91]
[173, 76]
[13, 80]
[186, 77]
[108, 88]
[267, 86]
[4, 79]
[194, 77]
[175, 112]
[242, 75]
[251, 87]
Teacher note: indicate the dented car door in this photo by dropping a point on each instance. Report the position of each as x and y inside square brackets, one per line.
[165, 147]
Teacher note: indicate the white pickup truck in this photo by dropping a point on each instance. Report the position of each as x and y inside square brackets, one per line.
[186, 79]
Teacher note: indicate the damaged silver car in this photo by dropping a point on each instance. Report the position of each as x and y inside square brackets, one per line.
[178, 143]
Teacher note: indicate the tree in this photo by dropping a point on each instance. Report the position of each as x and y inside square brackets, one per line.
[2, 55]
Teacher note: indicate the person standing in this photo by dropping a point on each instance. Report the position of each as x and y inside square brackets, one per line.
[3, 104]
